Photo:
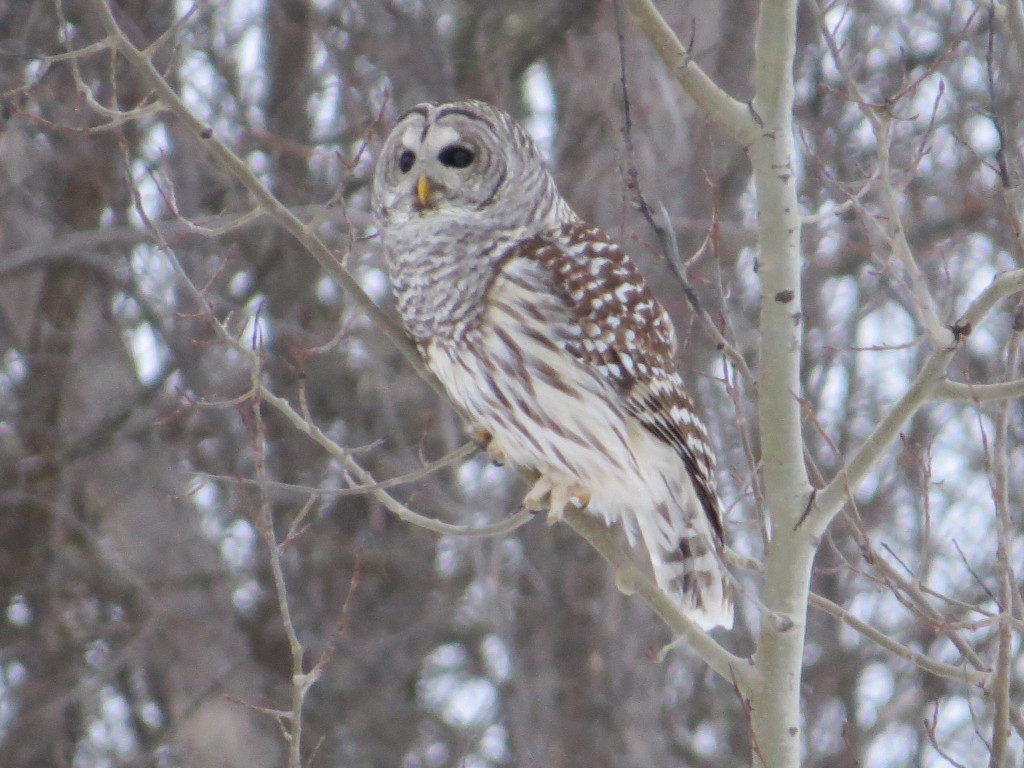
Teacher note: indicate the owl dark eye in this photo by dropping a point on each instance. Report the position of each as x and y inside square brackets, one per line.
[405, 160]
[455, 156]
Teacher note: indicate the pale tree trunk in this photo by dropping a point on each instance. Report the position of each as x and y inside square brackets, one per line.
[775, 716]
[766, 129]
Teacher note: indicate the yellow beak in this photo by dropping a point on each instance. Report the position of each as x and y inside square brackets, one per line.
[423, 192]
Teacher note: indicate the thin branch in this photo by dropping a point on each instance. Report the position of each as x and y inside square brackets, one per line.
[679, 267]
[841, 66]
[1001, 676]
[80, 244]
[664, 230]
[833, 211]
[365, 478]
[881, 123]
[265, 522]
[910, 593]
[462, 452]
[940, 335]
[922, 661]
[896, 583]
[930, 727]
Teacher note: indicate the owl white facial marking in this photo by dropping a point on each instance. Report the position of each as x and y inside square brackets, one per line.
[411, 137]
[443, 135]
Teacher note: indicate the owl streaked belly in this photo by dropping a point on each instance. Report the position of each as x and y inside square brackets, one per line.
[545, 410]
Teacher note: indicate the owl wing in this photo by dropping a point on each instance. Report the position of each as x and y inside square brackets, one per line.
[620, 330]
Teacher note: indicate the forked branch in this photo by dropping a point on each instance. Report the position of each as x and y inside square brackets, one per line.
[923, 388]
[733, 115]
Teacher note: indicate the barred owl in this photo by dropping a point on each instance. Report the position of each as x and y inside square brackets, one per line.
[543, 331]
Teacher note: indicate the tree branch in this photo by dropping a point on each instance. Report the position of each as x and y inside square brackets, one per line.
[733, 115]
[940, 335]
[79, 243]
[927, 663]
[400, 510]
[980, 393]
[452, 457]
[922, 661]
[291, 725]
[631, 579]
[141, 63]
[831, 498]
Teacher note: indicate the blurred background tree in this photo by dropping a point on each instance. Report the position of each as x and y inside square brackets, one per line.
[141, 614]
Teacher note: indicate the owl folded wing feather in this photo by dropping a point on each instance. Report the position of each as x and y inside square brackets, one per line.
[623, 332]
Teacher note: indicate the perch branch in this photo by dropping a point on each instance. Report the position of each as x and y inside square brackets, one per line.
[631, 579]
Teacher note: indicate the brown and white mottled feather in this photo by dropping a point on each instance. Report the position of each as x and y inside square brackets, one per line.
[546, 334]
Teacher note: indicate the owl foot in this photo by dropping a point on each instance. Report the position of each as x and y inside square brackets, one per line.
[559, 490]
[483, 437]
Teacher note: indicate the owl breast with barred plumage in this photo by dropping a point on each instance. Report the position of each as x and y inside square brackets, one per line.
[545, 334]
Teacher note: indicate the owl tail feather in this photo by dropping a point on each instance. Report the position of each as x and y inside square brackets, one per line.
[687, 565]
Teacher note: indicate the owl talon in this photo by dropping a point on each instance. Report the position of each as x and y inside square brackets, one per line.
[534, 498]
[483, 438]
[553, 491]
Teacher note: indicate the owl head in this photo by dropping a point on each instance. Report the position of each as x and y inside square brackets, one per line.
[464, 163]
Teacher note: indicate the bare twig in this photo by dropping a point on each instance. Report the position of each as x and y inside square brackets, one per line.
[930, 727]
[911, 595]
[663, 229]
[922, 661]
[881, 119]
[463, 452]
[941, 335]
[365, 478]
[292, 725]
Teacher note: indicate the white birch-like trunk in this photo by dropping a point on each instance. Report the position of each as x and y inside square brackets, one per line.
[775, 706]
[766, 128]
